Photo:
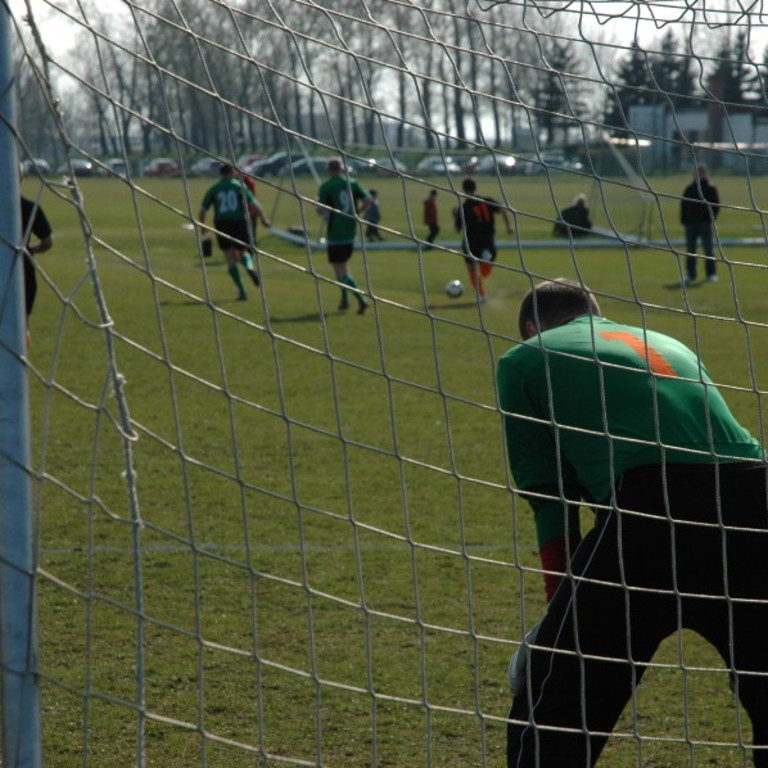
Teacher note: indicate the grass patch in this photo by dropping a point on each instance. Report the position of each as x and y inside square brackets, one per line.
[326, 564]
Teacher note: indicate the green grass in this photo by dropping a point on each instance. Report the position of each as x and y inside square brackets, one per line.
[328, 553]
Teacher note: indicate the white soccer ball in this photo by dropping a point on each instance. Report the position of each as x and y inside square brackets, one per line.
[454, 288]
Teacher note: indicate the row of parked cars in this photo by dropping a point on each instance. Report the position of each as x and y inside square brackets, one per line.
[296, 164]
[497, 163]
[37, 166]
[279, 163]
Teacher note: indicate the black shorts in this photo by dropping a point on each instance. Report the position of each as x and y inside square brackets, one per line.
[481, 252]
[30, 283]
[339, 253]
[681, 547]
[232, 234]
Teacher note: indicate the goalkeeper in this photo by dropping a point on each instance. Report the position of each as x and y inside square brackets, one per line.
[629, 422]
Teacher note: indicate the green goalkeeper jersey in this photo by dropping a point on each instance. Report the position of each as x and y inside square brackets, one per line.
[588, 400]
[341, 196]
[227, 197]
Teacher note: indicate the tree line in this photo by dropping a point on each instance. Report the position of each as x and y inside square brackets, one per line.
[228, 78]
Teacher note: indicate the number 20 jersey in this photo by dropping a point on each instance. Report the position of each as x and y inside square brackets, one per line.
[588, 400]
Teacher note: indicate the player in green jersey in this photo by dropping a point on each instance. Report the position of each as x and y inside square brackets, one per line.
[340, 200]
[629, 422]
[235, 210]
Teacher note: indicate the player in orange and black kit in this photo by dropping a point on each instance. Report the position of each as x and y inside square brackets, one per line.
[475, 219]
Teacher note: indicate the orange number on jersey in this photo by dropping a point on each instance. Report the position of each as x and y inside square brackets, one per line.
[482, 212]
[656, 362]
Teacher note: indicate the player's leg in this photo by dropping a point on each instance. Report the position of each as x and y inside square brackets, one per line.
[710, 265]
[233, 256]
[486, 267]
[247, 262]
[339, 256]
[226, 237]
[741, 642]
[720, 538]
[475, 278]
[30, 291]
[30, 284]
[601, 637]
[691, 237]
[740, 633]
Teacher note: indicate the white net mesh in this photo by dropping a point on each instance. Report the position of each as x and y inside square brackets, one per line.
[271, 532]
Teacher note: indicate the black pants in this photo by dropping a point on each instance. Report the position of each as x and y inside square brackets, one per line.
[695, 557]
[30, 284]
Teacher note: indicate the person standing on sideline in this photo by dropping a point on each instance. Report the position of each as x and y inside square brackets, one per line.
[340, 199]
[234, 210]
[372, 217]
[628, 421]
[475, 218]
[431, 218]
[699, 207]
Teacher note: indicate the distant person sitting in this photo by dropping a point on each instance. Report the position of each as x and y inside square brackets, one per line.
[574, 221]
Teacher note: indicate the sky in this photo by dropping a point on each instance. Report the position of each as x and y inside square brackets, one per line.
[609, 20]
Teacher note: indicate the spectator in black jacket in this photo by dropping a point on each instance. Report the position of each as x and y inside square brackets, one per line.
[699, 207]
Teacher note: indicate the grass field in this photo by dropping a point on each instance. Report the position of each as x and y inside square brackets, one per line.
[324, 564]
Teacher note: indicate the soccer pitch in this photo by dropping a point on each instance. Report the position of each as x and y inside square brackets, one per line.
[323, 563]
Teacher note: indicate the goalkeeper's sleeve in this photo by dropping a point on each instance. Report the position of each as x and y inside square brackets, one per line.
[558, 533]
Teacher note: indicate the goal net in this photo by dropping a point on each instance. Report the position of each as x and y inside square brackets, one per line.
[277, 532]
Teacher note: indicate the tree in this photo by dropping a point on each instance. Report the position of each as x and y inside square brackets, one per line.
[729, 82]
[758, 82]
[672, 72]
[557, 94]
[633, 87]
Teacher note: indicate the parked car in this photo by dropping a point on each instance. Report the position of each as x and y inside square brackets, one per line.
[36, 166]
[501, 164]
[437, 164]
[205, 166]
[307, 164]
[161, 166]
[537, 165]
[116, 166]
[385, 165]
[79, 166]
[353, 166]
[245, 160]
[272, 165]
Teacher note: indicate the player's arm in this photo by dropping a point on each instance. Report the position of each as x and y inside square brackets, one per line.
[204, 206]
[323, 207]
[42, 245]
[558, 533]
[507, 220]
[547, 481]
[41, 229]
[366, 201]
[257, 213]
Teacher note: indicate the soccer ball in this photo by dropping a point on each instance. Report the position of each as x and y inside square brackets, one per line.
[454, 288]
